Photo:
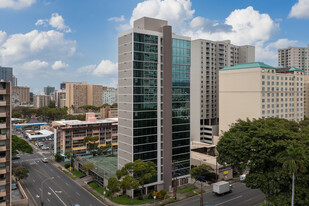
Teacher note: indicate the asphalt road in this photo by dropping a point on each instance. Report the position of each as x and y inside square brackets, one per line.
[58, 189]
[241, 196]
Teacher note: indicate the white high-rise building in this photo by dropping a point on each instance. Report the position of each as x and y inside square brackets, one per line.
[207, 58]
[109, 95]
[154, 100]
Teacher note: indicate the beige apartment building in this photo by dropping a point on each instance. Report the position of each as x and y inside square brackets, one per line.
[257, 90]
[294, 57]
[80, 93]
[41, 100]
[60, 97]
[108, 112]
[5, 144]
[207, 58]
[23, 93]
[70, 134]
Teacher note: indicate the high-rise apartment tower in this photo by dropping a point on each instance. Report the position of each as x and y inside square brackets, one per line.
[294, 57]
[207, 58]
[5, 144]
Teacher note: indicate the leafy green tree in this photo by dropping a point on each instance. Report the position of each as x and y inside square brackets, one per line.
[293, 161]
[87, 167]
[255, 145]
[58, 157]
[89, 108]
[113, 185]
[71, 156]
[200, 171]
[141, 171]
[92, 144]
[52, 104]
[21, 145]
[129, 183]
[20, 173]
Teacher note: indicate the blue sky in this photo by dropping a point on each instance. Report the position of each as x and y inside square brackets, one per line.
[50, 41]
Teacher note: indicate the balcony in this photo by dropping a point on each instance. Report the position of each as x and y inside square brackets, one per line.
[2, 125]
[2, 171]
[2, 137]
[2, 103]
[2, 193]
[2, 114]
[2, 181]
[2, 159]
[2, 148]
[2, 91]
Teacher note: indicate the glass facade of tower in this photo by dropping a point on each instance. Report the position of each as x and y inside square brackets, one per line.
[145, 97]
[181, 105]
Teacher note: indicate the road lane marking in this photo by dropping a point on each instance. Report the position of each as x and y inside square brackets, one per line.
[48, 200]
[67, 184]
[58, 176]
[40, 189]
[57, 196]
[229, 200]
[77, 193]
[33, 180]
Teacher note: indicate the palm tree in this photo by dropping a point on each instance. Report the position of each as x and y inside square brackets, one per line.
[293, 161]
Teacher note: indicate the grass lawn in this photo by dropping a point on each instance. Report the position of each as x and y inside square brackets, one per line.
[186, 189]
[167, 202]
[98, 188]
[66, 172]
[97, 196]
[77, 173]
[126, 200]
[192, 194]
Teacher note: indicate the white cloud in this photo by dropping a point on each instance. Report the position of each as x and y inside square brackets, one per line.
[34, 65]
[283, 43]
[59, 65]
[2, 36]
[46, 46]
[117, 19]
[175, 11]
[57, 22]
[86, 69]
[106, 67]
[41, 22]
[16, 4]
[300, 9]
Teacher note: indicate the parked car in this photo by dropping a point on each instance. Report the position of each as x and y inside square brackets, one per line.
[45, 160]
[14, 186]
[44, 147]
[15, 157]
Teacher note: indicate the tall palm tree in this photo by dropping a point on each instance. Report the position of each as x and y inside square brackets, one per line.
[293, 161]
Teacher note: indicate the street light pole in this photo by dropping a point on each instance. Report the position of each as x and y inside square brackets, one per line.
[50, 178]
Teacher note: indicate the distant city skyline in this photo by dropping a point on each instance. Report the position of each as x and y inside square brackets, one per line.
[49, 42]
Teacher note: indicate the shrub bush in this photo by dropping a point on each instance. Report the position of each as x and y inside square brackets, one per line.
[58, 157]
[163, 193]
[67, 165]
